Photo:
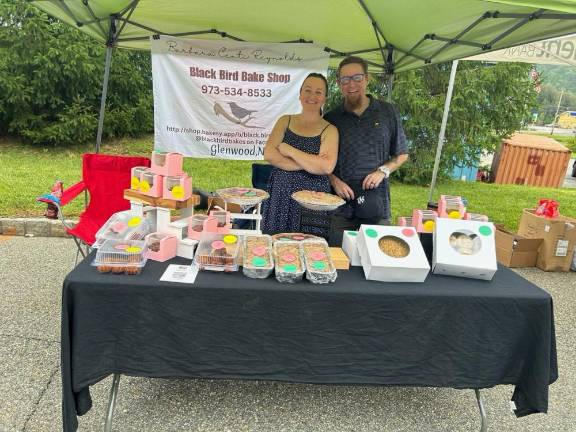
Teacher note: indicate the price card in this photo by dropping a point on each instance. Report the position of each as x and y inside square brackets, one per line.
[180, 273]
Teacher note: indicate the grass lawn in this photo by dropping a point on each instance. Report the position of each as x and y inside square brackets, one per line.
[28, 172]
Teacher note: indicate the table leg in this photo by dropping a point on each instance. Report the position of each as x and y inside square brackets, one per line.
[484, 426]
[112, 402]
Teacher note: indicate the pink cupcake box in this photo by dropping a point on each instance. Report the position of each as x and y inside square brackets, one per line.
[404, 221]
[424, 220]
[151, 184]
[161, 247]
[178, 188]
[136, 177]
[201, 223]
[476, 217]
[223, 223]
[449, 205]
[167, 164]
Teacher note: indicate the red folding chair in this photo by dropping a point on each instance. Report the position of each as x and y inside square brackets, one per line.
[104, 178]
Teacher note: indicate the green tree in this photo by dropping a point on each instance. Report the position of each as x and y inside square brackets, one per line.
[51, 81]
[488, 103]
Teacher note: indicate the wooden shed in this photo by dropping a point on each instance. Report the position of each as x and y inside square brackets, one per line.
[531, 160]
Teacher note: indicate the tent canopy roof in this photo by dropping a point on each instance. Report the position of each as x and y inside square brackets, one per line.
[403, 33]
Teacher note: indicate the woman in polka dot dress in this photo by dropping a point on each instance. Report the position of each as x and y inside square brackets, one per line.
[303, 149]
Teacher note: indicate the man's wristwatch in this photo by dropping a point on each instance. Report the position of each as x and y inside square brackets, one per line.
[385, 170]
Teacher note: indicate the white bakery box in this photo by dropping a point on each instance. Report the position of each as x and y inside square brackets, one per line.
[464, 248]
[350, 247]
[392, 254]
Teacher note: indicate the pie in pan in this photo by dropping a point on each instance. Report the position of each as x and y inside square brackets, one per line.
[317, 200]
[242, 196]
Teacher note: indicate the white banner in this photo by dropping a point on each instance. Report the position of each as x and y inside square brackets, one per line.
[560, 51]
[220, 99]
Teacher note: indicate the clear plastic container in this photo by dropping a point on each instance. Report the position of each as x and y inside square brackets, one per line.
[121, 256]
[123, 225]
[218, 252]
[292, 236]
[289, 264]
[258, 260]
[319, 266]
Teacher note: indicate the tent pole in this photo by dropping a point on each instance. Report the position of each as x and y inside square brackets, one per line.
[110, 43]
[556, 114]
[103, 98]
[390, 83]
[443, 128]
[390, 71]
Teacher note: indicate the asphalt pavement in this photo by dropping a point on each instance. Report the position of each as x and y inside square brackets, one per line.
[32, 272]
[569, 181]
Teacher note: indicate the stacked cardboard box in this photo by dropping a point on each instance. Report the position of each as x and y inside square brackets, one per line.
[513, 250]
[558, 239]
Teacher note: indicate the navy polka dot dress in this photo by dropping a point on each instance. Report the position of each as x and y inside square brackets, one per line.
[280, 213]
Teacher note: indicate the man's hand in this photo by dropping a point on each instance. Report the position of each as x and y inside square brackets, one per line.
[373, 180]
[341, 188]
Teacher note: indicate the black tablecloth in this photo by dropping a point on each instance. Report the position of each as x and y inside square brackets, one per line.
[446, 332]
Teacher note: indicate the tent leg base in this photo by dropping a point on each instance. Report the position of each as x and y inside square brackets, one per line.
[484, 424]
[112, 403]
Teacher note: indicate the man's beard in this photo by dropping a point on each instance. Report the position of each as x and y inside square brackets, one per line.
[353, 102]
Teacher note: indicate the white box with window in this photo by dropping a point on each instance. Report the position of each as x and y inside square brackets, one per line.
[464, 248]
[392, 254]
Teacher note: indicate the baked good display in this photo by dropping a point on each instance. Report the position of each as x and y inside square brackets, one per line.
[243, 196]
[121, 257]
[123, 225]
[292, 236]
[319, 265]
[320, 201]
[258, 261]
[394, 246]
[217, 252]
[289, 265]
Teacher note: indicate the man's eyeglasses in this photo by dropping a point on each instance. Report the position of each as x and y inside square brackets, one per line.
[356, 78]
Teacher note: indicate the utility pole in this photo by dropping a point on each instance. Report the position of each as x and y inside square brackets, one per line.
[557, 109]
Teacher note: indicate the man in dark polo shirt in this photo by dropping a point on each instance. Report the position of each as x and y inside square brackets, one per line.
[372, 145]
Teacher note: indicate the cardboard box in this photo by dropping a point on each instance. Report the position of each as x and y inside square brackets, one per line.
[464, 248]
[558, 235]
[392, 254]
[513, 250]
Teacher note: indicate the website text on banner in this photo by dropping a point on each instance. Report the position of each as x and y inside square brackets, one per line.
[220, 99]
